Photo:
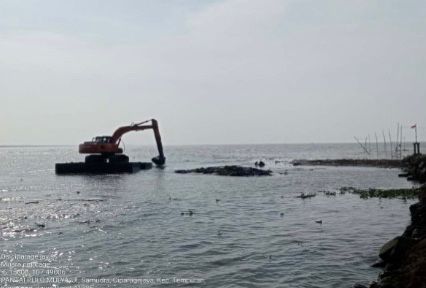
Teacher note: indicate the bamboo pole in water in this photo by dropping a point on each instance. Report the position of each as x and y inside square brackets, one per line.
[397, 141]
[362, 146]
[400, 142]
[377, 145]
[384, 143]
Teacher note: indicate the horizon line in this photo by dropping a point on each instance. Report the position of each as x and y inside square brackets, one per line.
[201, 144]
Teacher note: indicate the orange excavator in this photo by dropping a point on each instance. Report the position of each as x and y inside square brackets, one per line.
[105, 149]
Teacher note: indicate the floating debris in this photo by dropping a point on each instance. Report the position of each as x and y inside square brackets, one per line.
[318, 222]
[189, 213]
[32, 202]
[304, 196]
[346, 189]
[330, 193]
[89, 221]
[259, 164]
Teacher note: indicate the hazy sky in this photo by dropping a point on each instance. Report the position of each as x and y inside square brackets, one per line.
[223, 71]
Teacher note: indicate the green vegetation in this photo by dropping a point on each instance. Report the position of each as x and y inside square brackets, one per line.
[410, 193]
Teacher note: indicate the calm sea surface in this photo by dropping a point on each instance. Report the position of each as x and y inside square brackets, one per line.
[129, 228]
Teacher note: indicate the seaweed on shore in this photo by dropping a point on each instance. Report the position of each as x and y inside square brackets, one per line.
[410, 193]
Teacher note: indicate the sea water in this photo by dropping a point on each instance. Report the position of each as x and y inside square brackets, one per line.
[135, 230]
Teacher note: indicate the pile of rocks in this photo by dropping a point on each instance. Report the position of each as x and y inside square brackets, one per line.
[415, 167]
[228, 171]
[404, 257]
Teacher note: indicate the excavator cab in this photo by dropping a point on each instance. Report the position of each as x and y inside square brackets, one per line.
[102, 139]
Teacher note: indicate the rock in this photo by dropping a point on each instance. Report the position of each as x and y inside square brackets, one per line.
[418, 214]
[414, 167]
[228, 171]
[387, 250]
[359, 286]
[405, 256]
[374, 285]
[394, 250]
[379, 264]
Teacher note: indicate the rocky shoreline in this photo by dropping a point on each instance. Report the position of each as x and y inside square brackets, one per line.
[404, 257]
[415, 168]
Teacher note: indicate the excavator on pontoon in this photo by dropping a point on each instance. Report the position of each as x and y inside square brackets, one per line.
[106, 156]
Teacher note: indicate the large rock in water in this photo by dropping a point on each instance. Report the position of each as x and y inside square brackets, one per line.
[228, 171]
[387, 251]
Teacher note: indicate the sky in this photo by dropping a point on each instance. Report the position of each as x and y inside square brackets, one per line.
[213, 71]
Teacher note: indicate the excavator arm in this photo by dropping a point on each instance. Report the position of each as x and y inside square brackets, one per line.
[116, 137]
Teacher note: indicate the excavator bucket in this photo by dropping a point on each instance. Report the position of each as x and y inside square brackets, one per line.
[159, 161]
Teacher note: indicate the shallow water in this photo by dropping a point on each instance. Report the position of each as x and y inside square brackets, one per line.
[131, 227]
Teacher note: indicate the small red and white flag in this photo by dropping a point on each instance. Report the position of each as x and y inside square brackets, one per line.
[414, 126]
